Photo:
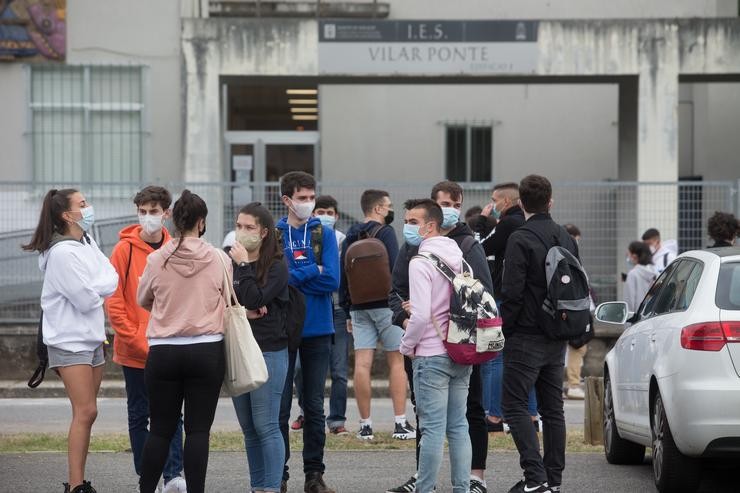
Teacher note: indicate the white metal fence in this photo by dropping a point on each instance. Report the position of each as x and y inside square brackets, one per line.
[609, 215]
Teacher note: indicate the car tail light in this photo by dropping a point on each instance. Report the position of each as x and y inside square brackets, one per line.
[709, 336]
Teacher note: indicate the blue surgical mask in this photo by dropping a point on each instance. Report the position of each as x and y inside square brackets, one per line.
[327, 220]
[495, 213]
[88, 218]
[451, 216]
[411, 234]
[628, 262]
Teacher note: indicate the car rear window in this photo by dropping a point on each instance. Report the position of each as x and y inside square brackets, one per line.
[728, 286]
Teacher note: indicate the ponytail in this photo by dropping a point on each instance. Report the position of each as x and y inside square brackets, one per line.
[188, 210]
[56, 203]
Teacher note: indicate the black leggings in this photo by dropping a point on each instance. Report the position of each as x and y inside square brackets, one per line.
[193, 373]
[475, 414]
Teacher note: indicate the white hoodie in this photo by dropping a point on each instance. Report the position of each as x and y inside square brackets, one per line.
[639, 280]
[667, 253]
[77, 278]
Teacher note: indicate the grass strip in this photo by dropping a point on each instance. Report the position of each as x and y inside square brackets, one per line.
[234, 442]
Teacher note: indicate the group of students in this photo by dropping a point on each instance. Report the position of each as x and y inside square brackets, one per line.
[165, 300]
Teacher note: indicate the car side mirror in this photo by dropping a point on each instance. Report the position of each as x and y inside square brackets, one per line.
[613, 312]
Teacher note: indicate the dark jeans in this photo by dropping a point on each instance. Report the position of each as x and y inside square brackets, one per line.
[475, 415]
[314, 358]
[137, 402]
[191, 373]
[338, 370]
[535, 360]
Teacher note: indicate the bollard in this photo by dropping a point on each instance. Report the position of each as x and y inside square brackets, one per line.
[593, 420]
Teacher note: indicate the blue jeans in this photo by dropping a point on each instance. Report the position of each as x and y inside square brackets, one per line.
[441, 389]
[338, 370]
[492, 373]
[137, 402]
[314, 358]
[257, 412]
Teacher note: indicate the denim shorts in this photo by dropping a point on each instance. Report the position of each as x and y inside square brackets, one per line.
[369, 326]
[60, 357]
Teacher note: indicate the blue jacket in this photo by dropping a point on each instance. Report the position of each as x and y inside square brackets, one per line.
[304, 273]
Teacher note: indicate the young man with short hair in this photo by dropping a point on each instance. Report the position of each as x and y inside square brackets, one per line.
[327, 211]
[313, 264]
[372, 321]
[129, 321]
[531, 358]
[663, 252]
[448, 195]
[440, 384]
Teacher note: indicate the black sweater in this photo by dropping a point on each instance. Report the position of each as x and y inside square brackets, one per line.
[524, 284]
[269, 331]
[495, 243]
[472, 253]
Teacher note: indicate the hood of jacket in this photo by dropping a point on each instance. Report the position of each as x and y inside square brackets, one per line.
[131, 234]
[192, 256]
[56, 239]
[444, 248]
[283, 224]
[354, 232]
[645, 273]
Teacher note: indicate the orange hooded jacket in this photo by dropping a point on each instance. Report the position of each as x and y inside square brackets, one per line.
[128, 319]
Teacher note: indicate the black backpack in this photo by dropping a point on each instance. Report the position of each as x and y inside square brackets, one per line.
[295, 315]
[566, 311]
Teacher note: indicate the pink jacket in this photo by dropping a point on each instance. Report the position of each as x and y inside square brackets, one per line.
[429, 294]
[185, 297]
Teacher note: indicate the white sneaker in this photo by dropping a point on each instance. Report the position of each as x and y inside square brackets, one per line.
[576, 393]
[176, 485]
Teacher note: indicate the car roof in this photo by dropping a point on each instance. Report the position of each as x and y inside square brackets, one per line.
[711, 254]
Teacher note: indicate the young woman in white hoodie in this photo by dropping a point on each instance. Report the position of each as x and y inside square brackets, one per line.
[77, 278]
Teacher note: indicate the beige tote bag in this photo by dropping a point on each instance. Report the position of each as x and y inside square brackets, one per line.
[245, 365]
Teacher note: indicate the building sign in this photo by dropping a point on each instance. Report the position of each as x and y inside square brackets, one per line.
[427, 47]
[32, 30]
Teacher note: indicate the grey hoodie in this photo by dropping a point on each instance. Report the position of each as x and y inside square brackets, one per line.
[639, 280]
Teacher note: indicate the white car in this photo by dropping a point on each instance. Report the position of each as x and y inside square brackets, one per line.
[672, 381]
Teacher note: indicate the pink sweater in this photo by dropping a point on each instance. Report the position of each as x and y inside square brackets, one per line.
[429, 294]
[185, 297]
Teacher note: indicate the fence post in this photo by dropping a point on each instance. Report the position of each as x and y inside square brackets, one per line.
[593, 418]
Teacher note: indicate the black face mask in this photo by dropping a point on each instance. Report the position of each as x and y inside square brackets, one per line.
[389, 217]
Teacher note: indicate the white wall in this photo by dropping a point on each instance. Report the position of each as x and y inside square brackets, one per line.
[138, 32]
[395, 133]
[560, 9]
[13, 107]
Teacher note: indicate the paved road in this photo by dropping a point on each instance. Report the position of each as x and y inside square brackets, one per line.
[52, 415]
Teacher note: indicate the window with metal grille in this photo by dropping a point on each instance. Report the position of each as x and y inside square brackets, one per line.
[87, 123]
[469, 153]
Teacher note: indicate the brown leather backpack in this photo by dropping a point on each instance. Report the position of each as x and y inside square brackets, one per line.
[367, 268]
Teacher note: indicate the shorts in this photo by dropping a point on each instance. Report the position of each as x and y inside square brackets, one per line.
[375, 323]
[60, 357]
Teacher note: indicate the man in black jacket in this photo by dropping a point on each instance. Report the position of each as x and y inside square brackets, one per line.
[530, 357]
[449, 196]
[505, 208]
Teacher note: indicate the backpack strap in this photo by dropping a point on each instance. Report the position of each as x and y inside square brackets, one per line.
[438, 264]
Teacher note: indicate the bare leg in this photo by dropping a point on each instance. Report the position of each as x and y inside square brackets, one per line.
[363, 365]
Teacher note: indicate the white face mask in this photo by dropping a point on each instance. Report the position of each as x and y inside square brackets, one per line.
[303, 210]
[653, 249]
[150, 223]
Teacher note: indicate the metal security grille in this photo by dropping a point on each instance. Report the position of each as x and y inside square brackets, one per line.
[87, 123]
[609, 214]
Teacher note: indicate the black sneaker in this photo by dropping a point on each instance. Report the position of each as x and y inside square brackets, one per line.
[477, 487]
[407, 487]
[366, 433]
[315, 484]
[495, 427]
[85, 487]
[555, 489]
[404, 431]
[523, 487]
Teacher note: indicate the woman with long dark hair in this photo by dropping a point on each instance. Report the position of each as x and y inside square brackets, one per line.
[77, 278]
[641, 274]
[261, 285]
[182, 287]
